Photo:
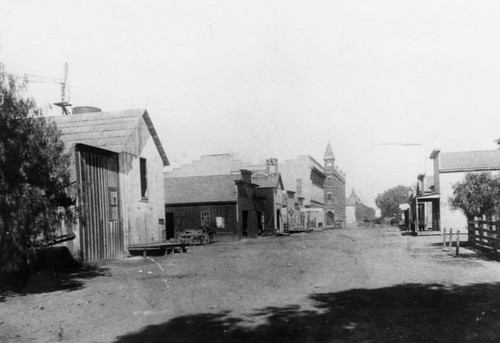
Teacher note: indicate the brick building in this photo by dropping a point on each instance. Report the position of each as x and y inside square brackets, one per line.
[334, 192]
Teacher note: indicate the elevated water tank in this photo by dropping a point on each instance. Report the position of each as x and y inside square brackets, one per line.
[85, 109]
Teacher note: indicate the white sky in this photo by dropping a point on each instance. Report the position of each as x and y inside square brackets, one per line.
[277, 78]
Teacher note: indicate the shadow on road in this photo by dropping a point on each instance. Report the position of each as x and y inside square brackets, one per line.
[53, 270]
[401, 313]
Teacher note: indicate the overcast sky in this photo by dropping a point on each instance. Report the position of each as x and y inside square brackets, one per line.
[277, 78]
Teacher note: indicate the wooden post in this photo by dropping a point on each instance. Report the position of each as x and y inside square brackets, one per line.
[417, 226]
[458, 243]
[451, 238]
[444, 238]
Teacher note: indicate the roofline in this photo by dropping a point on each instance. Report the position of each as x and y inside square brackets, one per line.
[196, 176]
[465, 170]
[179, 204]
[77, 146]
[156, 139]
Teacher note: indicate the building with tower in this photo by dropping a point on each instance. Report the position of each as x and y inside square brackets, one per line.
[334, 191]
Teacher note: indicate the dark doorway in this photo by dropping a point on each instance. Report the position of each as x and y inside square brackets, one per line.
[278, 224]
[330, 218]
[245, 223]
[169, 225]
[259, 223]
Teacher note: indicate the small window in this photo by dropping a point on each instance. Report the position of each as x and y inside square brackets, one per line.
[144, 178]
[205, 218]
[113, 204]
[329, 198]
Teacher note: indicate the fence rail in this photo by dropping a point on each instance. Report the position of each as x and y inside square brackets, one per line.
[484, 234]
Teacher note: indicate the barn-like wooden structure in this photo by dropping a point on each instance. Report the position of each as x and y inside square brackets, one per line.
[117, 165]
[228, 202]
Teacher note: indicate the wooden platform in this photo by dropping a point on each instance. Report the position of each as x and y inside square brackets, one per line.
[160, 248]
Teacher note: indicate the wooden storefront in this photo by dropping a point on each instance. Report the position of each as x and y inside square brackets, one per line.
[193, 216]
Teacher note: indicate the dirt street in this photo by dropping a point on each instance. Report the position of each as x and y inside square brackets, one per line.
[352, 285]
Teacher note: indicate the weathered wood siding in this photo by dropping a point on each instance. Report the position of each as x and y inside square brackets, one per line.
[188, 217]
[100, 237]
[144, 217]
[246, 204]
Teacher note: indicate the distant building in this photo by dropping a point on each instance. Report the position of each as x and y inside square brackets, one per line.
[424, 205]
[334, 192]
[450, 168]
[270, 187]
[228, 202]
[318, 189]
[117, 166]
[350, 208]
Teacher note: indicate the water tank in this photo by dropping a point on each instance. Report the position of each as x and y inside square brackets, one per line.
[85, 109]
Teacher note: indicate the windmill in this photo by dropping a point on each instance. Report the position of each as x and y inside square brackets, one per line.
[64, 104]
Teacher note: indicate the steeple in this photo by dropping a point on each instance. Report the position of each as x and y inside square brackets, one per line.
[329, 153]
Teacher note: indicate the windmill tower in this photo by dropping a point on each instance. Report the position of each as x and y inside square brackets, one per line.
[64, 103]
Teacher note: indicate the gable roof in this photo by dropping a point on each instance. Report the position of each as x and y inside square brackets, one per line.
[470, 160]
[106, 130]
[267, 181]
[200, 189]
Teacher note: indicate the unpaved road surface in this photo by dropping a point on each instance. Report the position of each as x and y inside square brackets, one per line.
[352, 285]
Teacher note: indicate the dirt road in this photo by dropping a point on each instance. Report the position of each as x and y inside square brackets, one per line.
[352, 285]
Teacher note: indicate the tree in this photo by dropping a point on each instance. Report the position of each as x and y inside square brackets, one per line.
[363, 212]
[477, 194]
[34, 174]
[389, 201]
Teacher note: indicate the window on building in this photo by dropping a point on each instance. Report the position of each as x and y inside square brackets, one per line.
[113, 204]
[205, 218]
[329, 198]
[144, 178]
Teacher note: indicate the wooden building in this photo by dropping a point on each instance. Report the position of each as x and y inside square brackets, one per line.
[450, 168]
[229, 202]
[270, 187]
[117, 166]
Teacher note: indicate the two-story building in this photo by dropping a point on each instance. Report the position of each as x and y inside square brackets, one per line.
[450, 168]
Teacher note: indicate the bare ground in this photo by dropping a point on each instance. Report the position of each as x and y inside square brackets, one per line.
[353, 285]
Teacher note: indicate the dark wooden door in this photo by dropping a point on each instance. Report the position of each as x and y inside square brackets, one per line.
[169, 224]
[245, 223]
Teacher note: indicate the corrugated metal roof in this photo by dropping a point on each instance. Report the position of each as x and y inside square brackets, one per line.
[198, 189]
[470, 160]
[105, 130]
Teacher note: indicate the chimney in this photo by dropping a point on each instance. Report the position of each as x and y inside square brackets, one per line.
[272, 166]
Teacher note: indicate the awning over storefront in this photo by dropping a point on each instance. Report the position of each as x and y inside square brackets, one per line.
[427, 197]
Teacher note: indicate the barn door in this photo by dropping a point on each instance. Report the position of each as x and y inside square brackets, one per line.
[101, 235]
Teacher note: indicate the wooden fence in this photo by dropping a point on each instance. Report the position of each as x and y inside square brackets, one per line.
[484, 234]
